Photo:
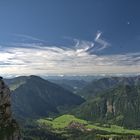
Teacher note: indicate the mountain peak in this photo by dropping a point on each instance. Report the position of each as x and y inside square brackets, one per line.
[41, 98]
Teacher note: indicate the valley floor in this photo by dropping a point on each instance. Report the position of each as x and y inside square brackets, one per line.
[68, 127]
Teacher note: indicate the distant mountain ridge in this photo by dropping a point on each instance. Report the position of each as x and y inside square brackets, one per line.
[33, 97]
[73, 85]
[98, 86]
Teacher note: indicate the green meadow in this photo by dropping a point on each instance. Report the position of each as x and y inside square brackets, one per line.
[62, 122]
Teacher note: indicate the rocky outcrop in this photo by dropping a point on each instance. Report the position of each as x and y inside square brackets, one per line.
[77, 125]
[119, 105]
[9, 129]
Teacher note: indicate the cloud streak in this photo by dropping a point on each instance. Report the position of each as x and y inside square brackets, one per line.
[37, 59]
[104, 44]
[24, 37]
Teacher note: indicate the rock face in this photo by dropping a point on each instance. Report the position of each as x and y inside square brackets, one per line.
[9, 129]
[119, 105]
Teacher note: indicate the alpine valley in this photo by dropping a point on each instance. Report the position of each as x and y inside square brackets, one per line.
[105, 108]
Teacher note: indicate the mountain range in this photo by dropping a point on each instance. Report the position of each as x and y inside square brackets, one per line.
[114, 100]
[73, 85]
[34, 97]
[98, 86]
[102, 103]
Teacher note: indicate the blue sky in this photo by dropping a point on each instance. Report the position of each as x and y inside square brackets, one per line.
[69, 36]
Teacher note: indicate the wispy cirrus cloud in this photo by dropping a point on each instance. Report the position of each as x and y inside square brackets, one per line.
[33, 58]
[24, 37]
[104, 44]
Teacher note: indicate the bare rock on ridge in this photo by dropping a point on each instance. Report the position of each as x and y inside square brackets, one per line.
[9, 129]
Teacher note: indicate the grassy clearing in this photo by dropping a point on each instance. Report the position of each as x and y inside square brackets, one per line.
[64, 120]
[115, 129]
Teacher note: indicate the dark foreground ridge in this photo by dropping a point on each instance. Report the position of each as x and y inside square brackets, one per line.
[9, 129]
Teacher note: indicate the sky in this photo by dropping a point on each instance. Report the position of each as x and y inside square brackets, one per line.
[69, 37]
